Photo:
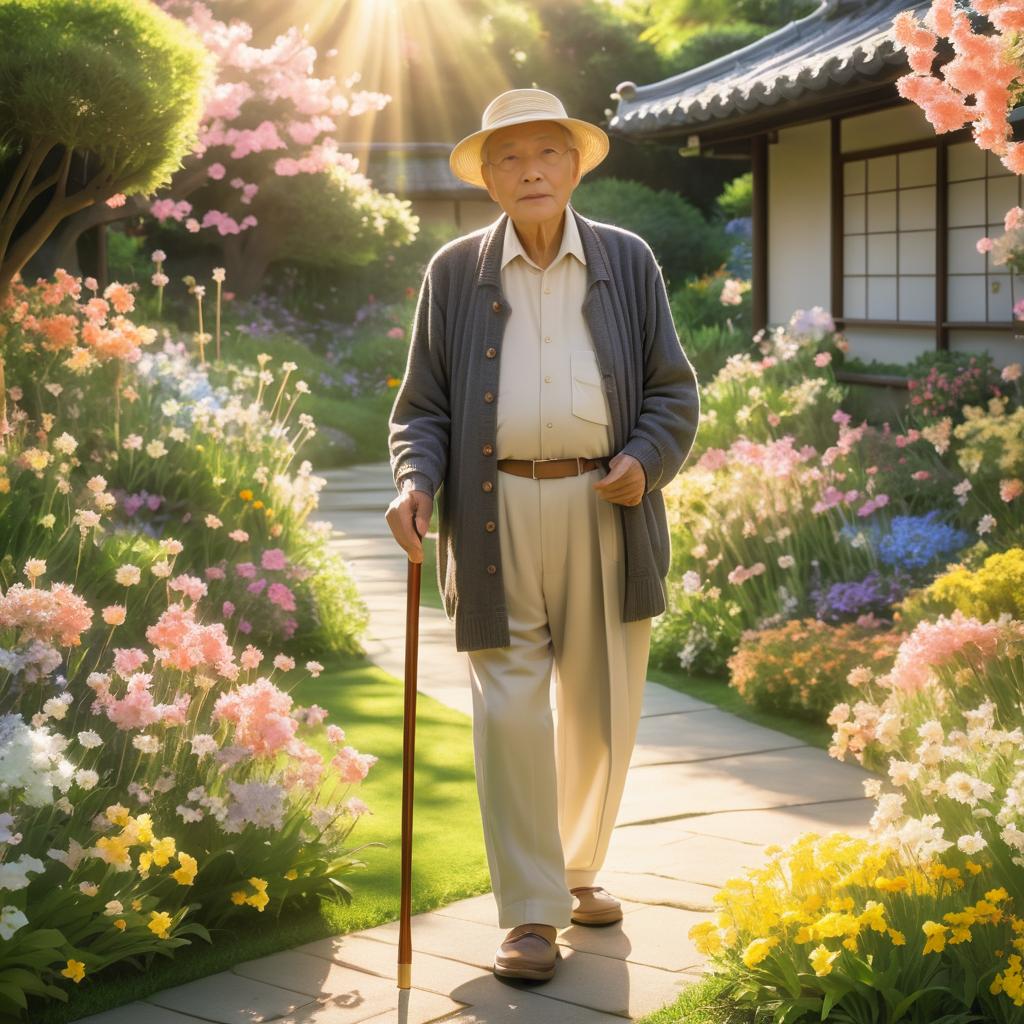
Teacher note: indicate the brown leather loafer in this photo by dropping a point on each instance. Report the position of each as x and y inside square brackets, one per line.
[595, 906]
[526, 953]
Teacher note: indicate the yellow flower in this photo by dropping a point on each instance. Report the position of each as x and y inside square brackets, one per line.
[117, 814]
[757, 950]
[898, 938]
[121, 924]
[821, 960]
[259, 901]
[974, 869]
[291, 874]
[238, 898]
[114, 850]
[897, 884]
[163, 851]
[136, 904]
[185, 875]
[145, 863]
[245, 494]
[706, 937]
[159, 923]
[936, 936]
[258, 883]
[393, 382]
[873, 916]
[257, 504]
[74, 970]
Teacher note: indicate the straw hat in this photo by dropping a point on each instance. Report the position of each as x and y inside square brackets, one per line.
[517, 106]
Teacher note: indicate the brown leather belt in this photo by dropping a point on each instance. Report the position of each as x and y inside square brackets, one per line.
[545, 469]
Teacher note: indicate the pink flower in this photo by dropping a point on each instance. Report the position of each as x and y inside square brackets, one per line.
[227, 609]
[396, 332]
[352, 765]
[191, 586]
[279, 594]
[335, 734]
[57, 614]
[251, 657]
[1010, 489]
[246, 570]
[933, 643]
[273, 558]
[128, 660]
[186, 644]
[261, 716]
[822, 358]
[984, 244]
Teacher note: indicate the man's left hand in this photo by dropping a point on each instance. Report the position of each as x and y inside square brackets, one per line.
[625, 483]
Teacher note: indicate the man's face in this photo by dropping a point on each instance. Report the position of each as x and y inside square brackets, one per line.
[515, 167]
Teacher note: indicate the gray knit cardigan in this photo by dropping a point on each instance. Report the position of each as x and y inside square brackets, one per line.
[442, 427]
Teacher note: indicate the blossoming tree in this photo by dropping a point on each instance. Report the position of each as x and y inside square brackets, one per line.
[266, 176]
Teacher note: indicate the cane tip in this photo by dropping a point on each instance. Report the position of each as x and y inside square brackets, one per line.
[405, 975]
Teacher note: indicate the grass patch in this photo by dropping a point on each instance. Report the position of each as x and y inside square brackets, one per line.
[449, 861]
[700, 1003]
[719, 693]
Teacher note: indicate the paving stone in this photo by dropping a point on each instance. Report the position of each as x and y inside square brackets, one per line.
[705, 860]
[783, 825]
[483, 909]
[643, 887]
[522, 1002]
[655, 936]
[662, 700]
[229, 998]
[433, 973]
[749, 782]
[695, 737]
[139, 1012]
[408, 1006]
[587, 979]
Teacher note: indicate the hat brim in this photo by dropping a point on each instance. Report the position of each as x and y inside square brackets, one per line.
[592, 142]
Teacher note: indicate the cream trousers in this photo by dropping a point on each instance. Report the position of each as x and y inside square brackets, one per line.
[550, 787]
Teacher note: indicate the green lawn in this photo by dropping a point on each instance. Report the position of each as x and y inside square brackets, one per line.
[448, 861]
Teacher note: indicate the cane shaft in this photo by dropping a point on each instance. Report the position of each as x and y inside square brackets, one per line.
[408, 766]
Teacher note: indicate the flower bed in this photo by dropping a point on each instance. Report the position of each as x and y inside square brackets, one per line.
[160, 577]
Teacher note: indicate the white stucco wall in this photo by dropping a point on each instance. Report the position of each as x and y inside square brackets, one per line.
[799, 193]
[799, 231]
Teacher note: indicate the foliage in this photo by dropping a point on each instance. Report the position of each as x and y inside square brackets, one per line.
[683, 242]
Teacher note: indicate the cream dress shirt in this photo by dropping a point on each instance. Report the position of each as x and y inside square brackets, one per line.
[550, 400]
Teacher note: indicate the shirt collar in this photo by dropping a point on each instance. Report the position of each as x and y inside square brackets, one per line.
[571, 243]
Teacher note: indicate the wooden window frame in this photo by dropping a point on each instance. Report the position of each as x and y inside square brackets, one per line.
[940, 324]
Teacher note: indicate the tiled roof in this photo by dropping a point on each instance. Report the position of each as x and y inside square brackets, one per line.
[839, 43]
[412, 170]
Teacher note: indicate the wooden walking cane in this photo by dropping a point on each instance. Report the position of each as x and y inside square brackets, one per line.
[412, 617]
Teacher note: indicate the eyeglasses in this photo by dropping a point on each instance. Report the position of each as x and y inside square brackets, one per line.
[513, 163]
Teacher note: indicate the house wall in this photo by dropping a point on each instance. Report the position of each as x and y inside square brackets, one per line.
[799, 190]
[799, 234]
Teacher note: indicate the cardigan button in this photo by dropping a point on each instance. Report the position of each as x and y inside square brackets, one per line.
[487, 485]
[496, 306]
[488, 449]
[488, 396]
[492, 569]
[489, 526]
[491, 352]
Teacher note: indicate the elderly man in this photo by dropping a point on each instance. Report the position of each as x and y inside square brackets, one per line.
[545, 403]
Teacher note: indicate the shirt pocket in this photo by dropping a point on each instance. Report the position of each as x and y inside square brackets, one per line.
[588, 399]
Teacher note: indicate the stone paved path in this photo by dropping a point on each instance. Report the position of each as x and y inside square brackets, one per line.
[706, 792]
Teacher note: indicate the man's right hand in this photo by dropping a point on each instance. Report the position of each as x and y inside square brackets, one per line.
[409, 518]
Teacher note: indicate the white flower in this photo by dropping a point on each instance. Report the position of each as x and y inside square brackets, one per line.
[691, 582]
[902, 772]
[971, 844]
[11, 919]
[985, 524]
[89, 739]
[872, 787]
[147, 744]
[87, 778]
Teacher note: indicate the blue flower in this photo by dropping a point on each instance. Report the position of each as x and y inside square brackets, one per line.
[914, 542]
